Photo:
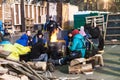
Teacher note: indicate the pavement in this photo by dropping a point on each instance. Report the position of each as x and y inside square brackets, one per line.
[111, 70]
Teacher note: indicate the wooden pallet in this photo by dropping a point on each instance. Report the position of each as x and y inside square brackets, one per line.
[108, 42]
[113, 29]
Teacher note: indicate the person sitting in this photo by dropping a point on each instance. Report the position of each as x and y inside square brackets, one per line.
[77, 49]
[96, 37]
[38, 50]
[38, 38]
[25, 39]
[68, 40]
[20, 48]
[6, 32]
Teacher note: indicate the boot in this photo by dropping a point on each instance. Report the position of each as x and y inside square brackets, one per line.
[55, 62]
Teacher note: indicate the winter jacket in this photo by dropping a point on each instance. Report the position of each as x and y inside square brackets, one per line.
[36, 39]
[78, 44]
[94, 32]
[37, 49]
[23, 40]
[50, 26]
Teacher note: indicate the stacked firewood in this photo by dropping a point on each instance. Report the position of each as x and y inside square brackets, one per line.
[82, 65]
[79, 66]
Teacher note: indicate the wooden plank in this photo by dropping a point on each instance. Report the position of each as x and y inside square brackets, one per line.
[3, 70]
[117, 20]
[31, 11]
[0, 13]
[80, 68]
[75, 69]
[39, 18]
[38, 65]
[113, 28]
[113, 35]
[35, 14]
[65, 15]
[77, 61]
[112, 42]
[17, 14]
[86, 67]
[8, 77]
[26, 11]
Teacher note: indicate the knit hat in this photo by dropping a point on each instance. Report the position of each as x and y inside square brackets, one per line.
[82, 32]
[74, 32]
[39, 33]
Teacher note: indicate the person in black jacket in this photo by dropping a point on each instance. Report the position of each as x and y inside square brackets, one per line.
[38, 51]
[95, 35]
[50, 26]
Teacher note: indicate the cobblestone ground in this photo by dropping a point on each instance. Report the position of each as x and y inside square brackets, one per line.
[111, 70]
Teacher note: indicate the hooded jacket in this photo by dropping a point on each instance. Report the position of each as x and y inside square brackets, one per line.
[78, 44]
[23, 40]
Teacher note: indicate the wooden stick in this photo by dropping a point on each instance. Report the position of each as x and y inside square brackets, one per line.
[34, 72]
[32, 77]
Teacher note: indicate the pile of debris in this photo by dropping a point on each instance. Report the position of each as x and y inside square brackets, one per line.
[14, 70]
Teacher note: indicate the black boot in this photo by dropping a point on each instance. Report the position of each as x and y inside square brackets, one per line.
[57, 62]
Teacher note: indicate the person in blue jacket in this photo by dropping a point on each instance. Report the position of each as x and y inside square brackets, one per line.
[78, 43]
[77, 49]
[25, 39]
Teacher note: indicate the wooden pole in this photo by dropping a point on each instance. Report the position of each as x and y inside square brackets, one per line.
[22, 16]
